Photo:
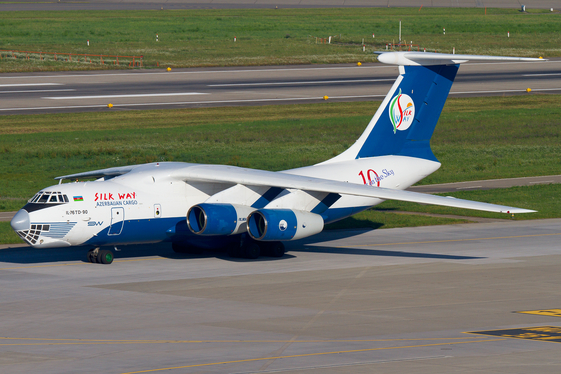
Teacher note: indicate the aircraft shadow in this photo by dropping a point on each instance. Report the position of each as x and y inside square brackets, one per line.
[377, 252]
[30, 255]
[19, 254]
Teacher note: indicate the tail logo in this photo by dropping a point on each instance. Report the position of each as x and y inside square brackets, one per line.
[402, 112]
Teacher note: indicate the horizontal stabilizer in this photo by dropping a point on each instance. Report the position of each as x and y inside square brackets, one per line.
[429, 58]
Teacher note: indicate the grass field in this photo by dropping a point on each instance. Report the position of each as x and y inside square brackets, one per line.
[267, 37]
[476, 138]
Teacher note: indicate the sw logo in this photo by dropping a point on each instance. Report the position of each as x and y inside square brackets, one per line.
[402, 112]
[93, 223]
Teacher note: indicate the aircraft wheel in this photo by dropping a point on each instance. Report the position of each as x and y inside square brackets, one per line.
[105, 257]
[275, 249]
[251, 251]
[92, 255]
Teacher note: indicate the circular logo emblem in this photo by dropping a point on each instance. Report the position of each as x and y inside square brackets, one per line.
[402, 112]
[283, 225]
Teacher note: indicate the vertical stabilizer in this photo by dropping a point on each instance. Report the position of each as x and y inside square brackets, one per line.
[404, 123]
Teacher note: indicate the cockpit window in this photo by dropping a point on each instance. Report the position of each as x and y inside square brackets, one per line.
[43, 199]
[47, 197]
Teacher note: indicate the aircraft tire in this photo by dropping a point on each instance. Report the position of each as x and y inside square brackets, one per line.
[251, 251]
[275, 249]
[105, 257]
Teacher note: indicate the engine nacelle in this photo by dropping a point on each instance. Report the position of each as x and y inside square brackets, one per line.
[218, 219]
[283, 224]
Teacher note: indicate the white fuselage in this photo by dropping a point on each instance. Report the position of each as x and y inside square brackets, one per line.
[149, 203]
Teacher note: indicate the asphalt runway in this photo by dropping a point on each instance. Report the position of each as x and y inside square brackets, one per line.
[183, 88]
[264, 4]
[383, 301]
[486, 184]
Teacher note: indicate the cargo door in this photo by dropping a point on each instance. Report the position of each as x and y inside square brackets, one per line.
[117, 221]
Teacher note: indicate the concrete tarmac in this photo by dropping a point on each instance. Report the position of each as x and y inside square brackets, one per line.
[486, 184]
[384, 301]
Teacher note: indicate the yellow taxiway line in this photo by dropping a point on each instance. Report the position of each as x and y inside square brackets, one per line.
[307, 355]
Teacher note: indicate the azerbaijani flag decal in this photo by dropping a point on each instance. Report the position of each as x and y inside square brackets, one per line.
[78, 198]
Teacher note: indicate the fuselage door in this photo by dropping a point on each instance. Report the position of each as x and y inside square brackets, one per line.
[117, 221]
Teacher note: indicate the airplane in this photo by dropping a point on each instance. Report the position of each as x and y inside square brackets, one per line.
[252, 212]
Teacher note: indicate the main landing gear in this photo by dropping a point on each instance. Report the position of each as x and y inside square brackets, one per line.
[251, 249]
[242, 247]
[186, 248]
[100, 256]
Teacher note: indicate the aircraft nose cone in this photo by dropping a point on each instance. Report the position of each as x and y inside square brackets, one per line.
[20, 221]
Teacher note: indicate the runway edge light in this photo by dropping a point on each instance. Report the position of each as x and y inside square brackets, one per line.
[110, 105]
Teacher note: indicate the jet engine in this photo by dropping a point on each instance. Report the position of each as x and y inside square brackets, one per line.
[283, 224]
[218, 219]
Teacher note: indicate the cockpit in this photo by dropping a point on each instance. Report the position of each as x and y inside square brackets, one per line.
[46, 197]
[43, 231]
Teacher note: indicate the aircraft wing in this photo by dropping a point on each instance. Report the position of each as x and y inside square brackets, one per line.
[253, 177]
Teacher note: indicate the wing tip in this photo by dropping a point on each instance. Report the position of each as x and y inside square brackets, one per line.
[519, 211]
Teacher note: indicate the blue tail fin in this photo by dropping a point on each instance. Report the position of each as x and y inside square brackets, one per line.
[405, 121]
[408, 120]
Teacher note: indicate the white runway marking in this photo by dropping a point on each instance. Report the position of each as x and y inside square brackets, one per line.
[124, 96]
[312, 82]
[29, 84]
[183, 103]
[377, 66]
[196, 72]
[28, 91]
[501, 91]
[540, 75]
[251, 100]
